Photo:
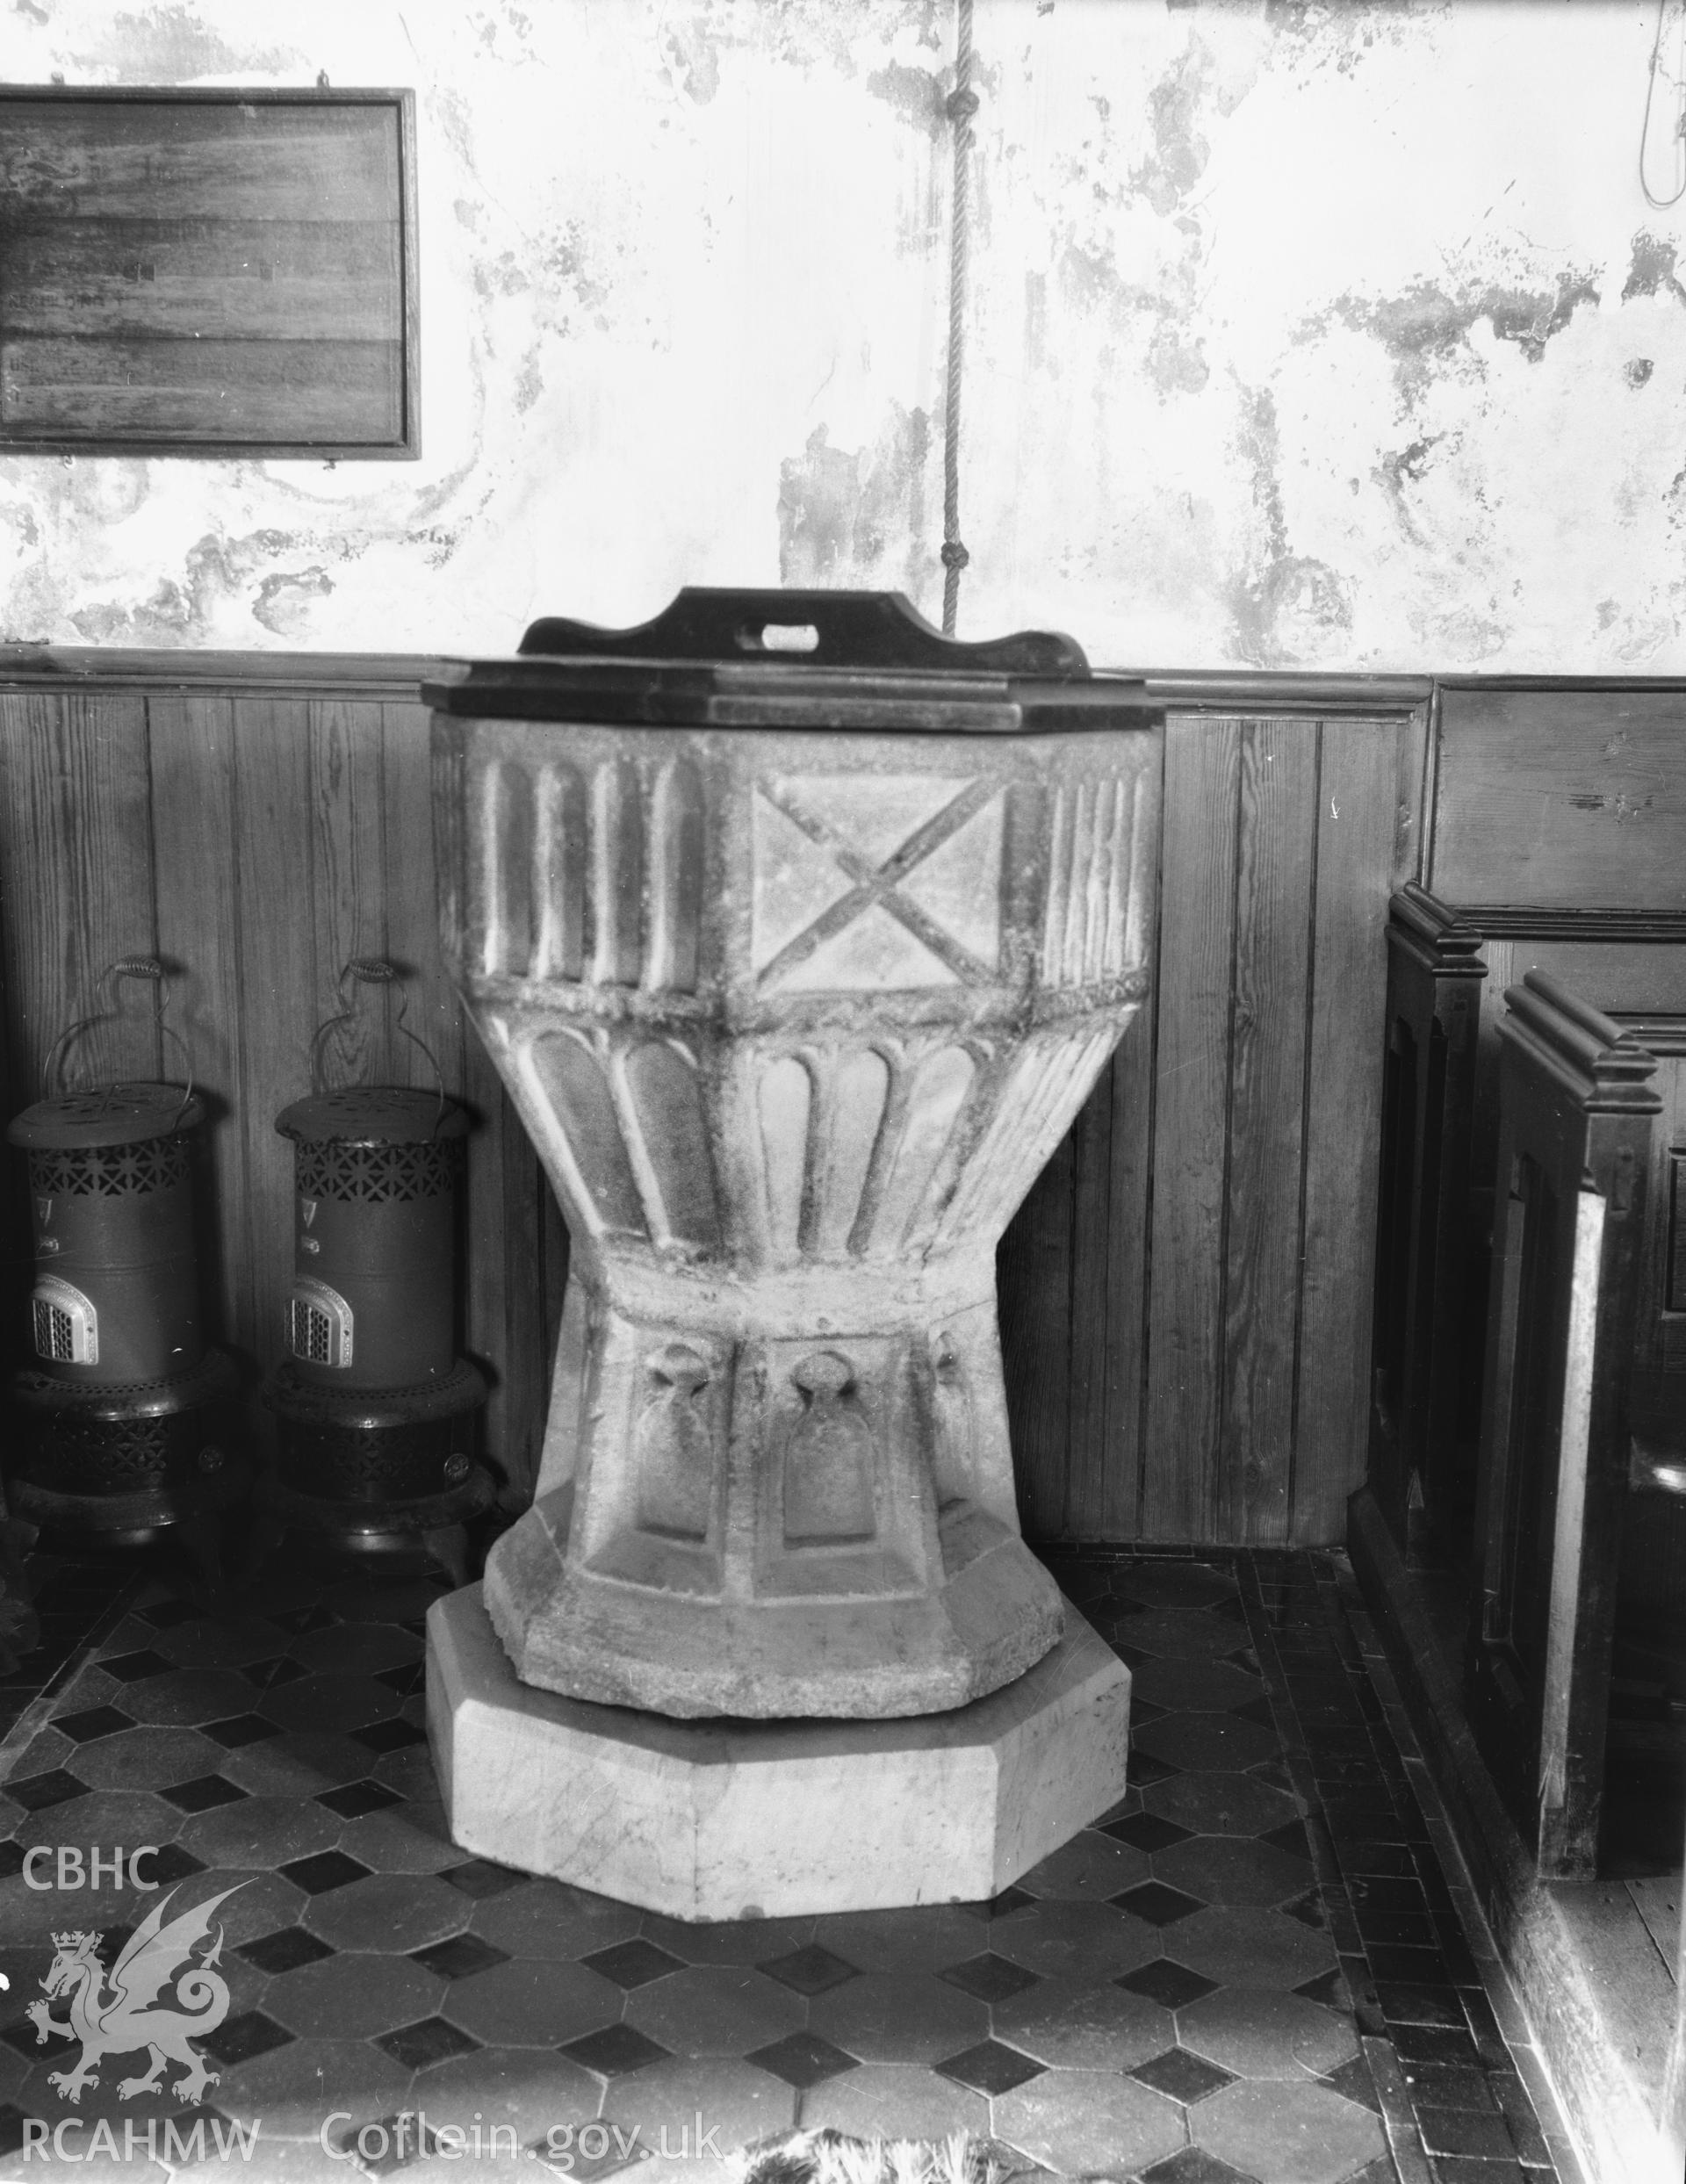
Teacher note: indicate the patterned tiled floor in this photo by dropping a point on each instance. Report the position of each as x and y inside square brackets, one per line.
[1251, 1968]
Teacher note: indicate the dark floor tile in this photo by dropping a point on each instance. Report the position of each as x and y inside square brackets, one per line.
[12, 1859]
[355, 1798]
[173, 1863]
[1353, 2082]
[1363, 1819]
[243, 2038]
[1416, 1967]
[989, 2068]
[1157, 1904]
[1419, 2005]
[1465, 2131]
[1182, 2076]
[803, 2059]
[1529, 2139]
[460, 1956]
[1144, 1769]
[614, 2053]
[810, 1970]
[325, 1870]
[91, 1722]
[203, 1794]
[240, 1729]
[1449, 2086]
[270, 1676]
[40, 1793]
[989, 1977]
[285, 1949]
[1329, 1988]
[1167, 1982]
[1484, 2030]
[136, 1667]
[389, 1736]
[1192, 2165]
[1377, 1897]
[1470, 2169]
[429, 2040]
[633, 1963]
[1146, 1831]
[1456, 1955]
[480, 1879]
[1001, 1906]
[1368, 1857]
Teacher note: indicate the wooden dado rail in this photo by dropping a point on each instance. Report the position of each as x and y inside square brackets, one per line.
[1186, 1295]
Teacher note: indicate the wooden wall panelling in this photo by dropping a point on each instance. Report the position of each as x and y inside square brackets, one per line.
[197, 888]
[75, 894]
[78, 871]
[413, 935]
[1565, 796]
[348, 891]
[276, 830]
[1197, 940]
[1195, 1365]
[1275, 873]
[412, 899]
[1363, 850]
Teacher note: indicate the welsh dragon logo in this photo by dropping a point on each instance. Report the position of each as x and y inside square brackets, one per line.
[116, 2012]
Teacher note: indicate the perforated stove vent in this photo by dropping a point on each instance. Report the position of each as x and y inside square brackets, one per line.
[66, 1326]
[319, 1324]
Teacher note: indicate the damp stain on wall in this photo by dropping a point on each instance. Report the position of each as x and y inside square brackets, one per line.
[1286, 609]
[173, 45]
[857, 517]
[1425, 325]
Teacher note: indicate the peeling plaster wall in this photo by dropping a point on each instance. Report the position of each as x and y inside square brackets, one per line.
[1300, 335]
[681, 308]
[1329, 336]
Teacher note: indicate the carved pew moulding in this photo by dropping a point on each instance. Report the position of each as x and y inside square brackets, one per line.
[1577, 1109]
[1423, 1424]
[797, 968]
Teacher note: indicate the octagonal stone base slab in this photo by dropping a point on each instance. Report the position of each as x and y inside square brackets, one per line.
[732, 1819]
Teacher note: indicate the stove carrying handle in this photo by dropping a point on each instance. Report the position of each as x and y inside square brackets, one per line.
[808, 629]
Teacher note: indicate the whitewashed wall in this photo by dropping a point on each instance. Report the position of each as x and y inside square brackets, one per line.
[1329, 335]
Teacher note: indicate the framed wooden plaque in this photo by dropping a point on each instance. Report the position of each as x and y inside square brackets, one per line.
[208, 272]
